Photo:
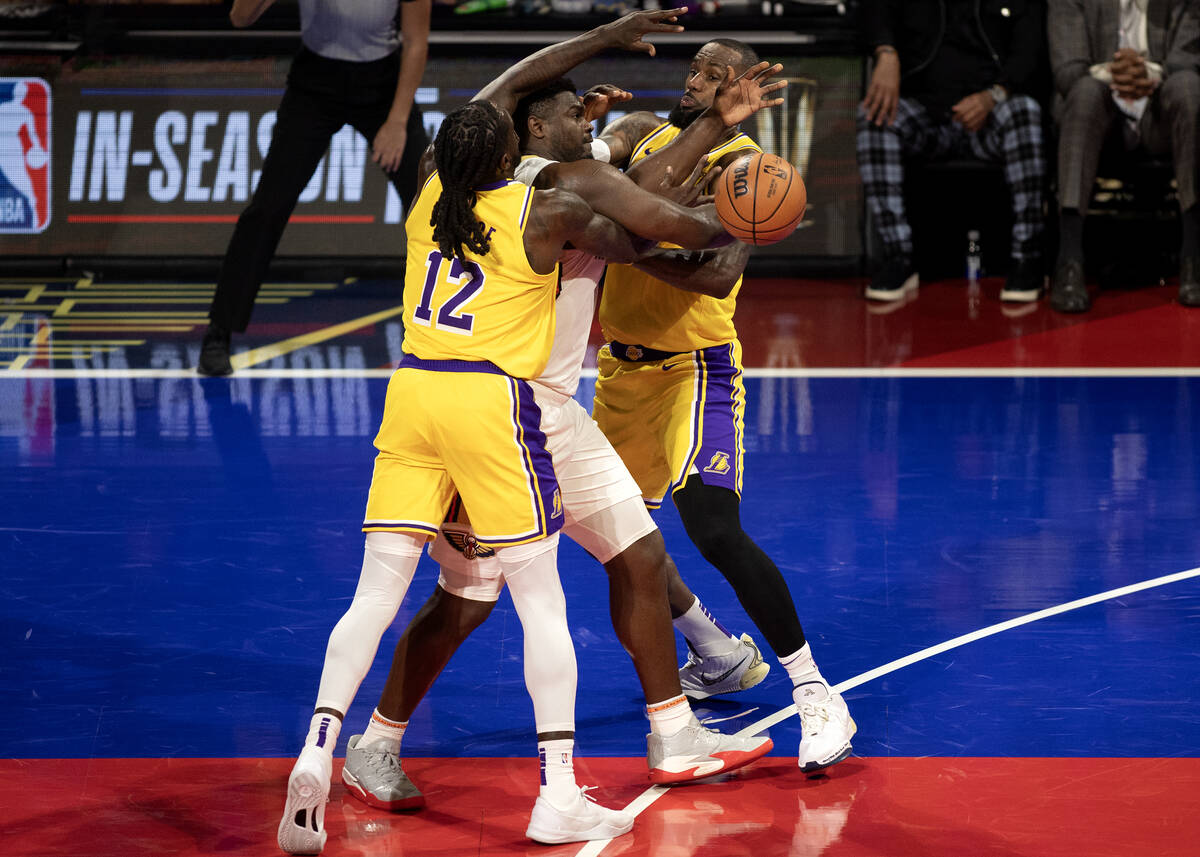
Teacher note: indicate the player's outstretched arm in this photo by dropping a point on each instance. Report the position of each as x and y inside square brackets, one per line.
[739, 98]
[610, 192]
[713, 273]
[551, 63]
[559, 219]
[243, 13]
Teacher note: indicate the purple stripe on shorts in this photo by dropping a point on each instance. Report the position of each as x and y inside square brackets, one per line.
[538, 463]
[411, 361]
[719, 460]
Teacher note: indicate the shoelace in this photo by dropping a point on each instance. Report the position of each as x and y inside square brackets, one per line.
[808, 712]
[382, 762]
[583, 790]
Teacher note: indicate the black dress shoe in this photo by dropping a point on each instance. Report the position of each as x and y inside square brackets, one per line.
[214, 352]
[1189, 281]
[1068, 290]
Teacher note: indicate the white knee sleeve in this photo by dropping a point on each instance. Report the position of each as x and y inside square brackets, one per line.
[531, 572]
[389, 560]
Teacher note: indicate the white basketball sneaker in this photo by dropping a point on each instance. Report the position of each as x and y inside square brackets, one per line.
[742, 669]
[827, 724]
[302, 828]
[583, 820]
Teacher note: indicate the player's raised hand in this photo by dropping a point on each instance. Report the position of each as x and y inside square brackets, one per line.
[690, 191]
[598, 100]
[626, 32]
[743, 95]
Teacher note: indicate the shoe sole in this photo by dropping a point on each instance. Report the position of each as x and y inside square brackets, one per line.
[694, 772]
[750, 678]
[304, 794]
[604, 831]
[352, 786]
[909, 285]
[1020, 296]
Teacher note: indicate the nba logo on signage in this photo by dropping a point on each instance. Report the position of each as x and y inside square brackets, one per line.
[24, 154]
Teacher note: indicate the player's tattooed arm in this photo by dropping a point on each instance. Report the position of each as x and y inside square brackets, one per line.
[713, 272]
[625, 133]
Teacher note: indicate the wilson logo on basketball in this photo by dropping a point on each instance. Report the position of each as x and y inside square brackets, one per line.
[760, 198]
[741, 177]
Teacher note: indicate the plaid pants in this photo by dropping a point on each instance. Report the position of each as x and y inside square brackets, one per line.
[1012, 136]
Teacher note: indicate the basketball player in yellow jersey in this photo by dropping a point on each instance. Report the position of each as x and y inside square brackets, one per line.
[671, 400]
[458, 417]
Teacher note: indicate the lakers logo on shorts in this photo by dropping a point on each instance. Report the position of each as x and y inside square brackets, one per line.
[718, 464]
[558, 509]
[466, 544]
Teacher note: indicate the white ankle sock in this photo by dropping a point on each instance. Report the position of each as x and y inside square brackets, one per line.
[706, 635]
[558, 771]
[382, 729]
[670, 715]
[807, 681]
[323, 731]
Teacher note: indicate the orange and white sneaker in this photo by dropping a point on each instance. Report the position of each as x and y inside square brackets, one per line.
[695, 752]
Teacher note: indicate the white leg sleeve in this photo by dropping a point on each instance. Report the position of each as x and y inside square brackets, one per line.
[531, 572]
[389, 561]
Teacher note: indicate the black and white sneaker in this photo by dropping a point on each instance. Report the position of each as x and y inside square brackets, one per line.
[895, 278]
[1025, 282]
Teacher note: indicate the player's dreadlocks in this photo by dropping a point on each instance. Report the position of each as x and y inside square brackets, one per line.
[467, 150]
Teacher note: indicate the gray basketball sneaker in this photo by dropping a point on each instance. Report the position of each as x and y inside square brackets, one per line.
[695, 752]
[740, 670]
[302, 828]
[374, 776]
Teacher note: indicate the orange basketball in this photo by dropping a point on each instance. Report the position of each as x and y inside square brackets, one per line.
[760, 198]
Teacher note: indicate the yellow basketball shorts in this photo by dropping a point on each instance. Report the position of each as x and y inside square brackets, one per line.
[462, 426]
[671, 416]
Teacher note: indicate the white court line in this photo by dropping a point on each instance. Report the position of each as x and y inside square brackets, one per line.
[792, 372]
[646, 798]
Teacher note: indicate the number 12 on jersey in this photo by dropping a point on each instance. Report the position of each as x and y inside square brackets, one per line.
[465, 277]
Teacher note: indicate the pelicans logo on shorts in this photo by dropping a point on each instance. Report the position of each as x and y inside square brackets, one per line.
[718, 464]
[466, 545]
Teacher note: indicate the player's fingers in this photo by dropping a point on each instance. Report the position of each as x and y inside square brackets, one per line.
[774, 87]
[770, 72]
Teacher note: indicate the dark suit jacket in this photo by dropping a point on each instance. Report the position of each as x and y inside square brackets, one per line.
[1015, 30]
[1084, 32]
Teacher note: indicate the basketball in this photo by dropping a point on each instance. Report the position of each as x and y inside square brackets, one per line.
[760, 198]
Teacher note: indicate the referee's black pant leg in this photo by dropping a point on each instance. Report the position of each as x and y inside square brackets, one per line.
[304, 125]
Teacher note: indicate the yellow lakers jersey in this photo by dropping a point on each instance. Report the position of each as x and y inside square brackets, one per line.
[639, 309]
[493, 307]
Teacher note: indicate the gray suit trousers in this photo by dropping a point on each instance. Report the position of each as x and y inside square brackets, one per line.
[1168, 126]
